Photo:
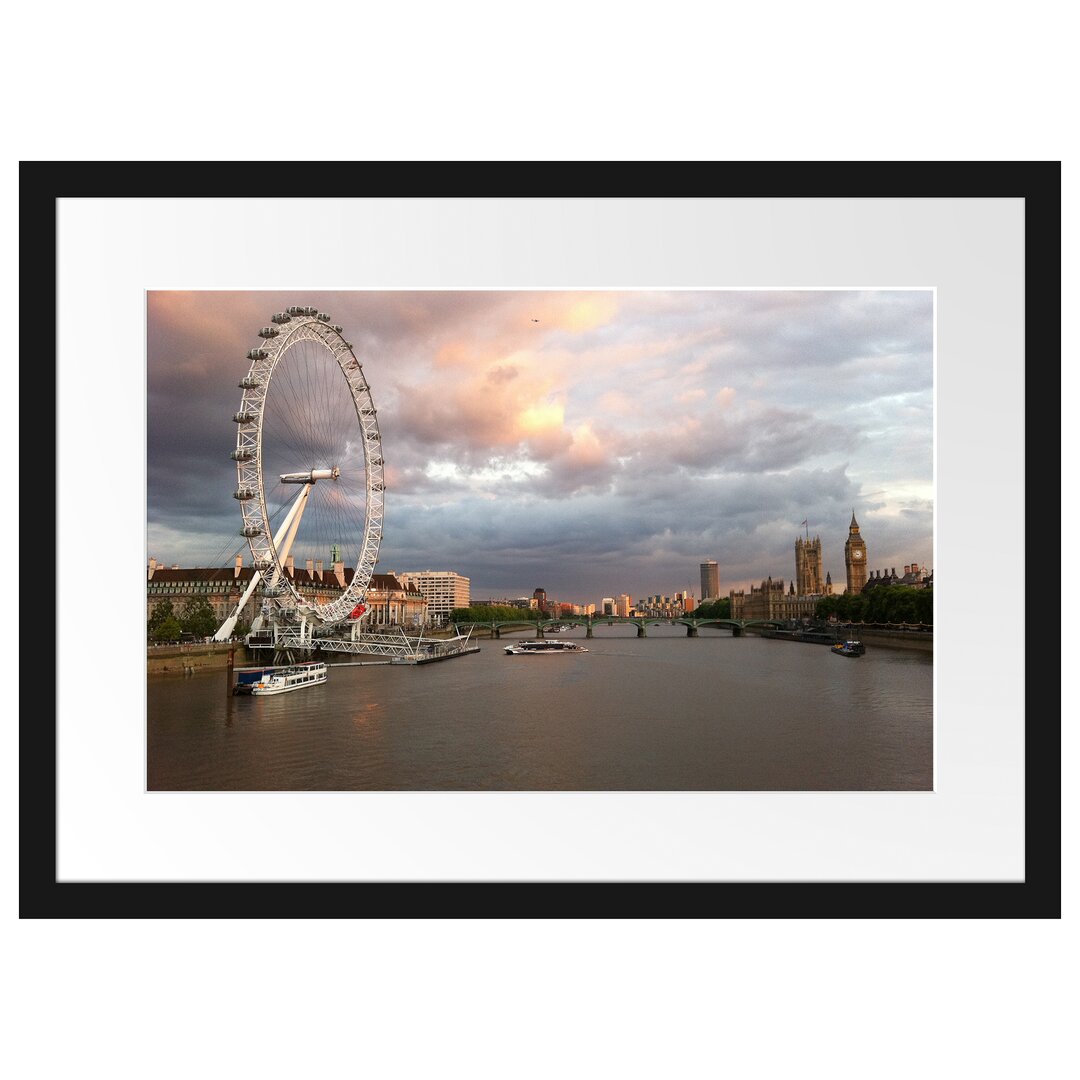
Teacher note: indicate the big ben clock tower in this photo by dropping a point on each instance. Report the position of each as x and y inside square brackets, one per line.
[855, 557]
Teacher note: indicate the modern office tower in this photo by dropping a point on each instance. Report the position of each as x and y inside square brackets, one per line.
[855, 557]
[809, 579]
[710, 580]
[444, 590]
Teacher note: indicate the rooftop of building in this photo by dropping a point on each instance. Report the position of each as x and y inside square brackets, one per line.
[300, 576]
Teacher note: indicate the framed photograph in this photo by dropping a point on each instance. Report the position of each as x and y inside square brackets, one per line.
[601, 540]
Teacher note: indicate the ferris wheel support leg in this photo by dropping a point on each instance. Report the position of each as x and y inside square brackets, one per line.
[227, 627]
[288, 526]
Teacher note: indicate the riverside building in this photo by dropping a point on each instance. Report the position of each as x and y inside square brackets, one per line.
[444, 590]
[671, 607]
[769, 601]
[389, 601]
[809, 575]
[914, 576]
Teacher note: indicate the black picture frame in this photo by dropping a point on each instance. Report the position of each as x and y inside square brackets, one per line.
[1038, 183]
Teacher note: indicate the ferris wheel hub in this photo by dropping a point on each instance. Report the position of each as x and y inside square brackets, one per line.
[310, 476]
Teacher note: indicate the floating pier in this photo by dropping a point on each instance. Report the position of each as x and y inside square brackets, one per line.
[393, 648]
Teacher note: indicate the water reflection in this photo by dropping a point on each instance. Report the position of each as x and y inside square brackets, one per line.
[666, 712]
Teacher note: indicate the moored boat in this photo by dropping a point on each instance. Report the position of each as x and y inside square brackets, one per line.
[279, 680]
[849, 648]
[541, 647]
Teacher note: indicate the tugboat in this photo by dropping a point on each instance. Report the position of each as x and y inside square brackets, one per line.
[849, 648]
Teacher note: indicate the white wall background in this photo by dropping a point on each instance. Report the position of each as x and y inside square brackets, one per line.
[686, 998]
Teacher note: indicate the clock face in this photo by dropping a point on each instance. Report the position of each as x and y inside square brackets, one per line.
[856, 554]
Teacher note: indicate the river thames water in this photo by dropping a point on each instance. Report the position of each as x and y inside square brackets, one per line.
[661, 713]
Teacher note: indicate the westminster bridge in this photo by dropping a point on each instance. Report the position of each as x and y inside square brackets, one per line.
[640, 622]
[893, 635]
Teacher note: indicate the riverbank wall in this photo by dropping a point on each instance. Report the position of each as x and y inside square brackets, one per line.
[895, 639]
[188, 659]
[882, 637]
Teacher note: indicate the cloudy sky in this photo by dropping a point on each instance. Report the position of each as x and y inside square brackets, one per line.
[589, 443]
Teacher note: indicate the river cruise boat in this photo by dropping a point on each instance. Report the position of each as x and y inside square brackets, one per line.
[279, 680]
[540, 647]
[849, 648]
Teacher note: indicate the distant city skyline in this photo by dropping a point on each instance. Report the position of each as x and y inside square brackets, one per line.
[590, 443]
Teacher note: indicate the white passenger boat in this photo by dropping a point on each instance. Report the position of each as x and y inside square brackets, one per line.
[279, 680]
[540, 647]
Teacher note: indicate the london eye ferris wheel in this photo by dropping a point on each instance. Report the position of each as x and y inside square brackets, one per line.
[309, 466]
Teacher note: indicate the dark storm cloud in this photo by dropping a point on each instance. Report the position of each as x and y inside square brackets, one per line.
[598, 441]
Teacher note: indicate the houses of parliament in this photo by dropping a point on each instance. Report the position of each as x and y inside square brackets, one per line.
[770, 600]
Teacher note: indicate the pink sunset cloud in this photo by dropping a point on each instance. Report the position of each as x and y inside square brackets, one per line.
[516, 414]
